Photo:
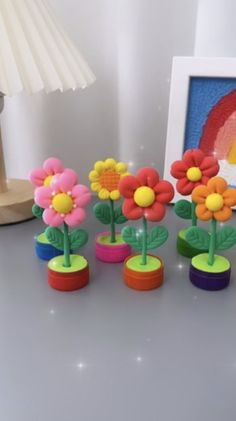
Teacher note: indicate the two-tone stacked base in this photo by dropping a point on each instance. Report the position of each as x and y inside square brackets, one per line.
[210, 277]
[111, 252]
[68, 278]
[43, 249]
[184, 248]
[143, 277]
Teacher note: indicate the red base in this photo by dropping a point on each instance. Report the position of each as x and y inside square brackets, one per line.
[68, 281]
[143, 281]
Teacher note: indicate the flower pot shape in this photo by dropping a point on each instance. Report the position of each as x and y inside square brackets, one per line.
[68, 278]
[143, 277]
[111, 252]
[44, 250]
[184, 248]
[210, 277]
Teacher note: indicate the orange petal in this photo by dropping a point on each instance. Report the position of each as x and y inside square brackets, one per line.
[217, 185]
[199, 194]
[203, 213]
[224, 214]
[229, 196]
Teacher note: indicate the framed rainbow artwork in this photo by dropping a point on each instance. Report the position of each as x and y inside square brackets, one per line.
[202, 112]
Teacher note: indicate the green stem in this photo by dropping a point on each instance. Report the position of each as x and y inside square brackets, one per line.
[194, 217]
[67, 262]
[113, 226]
[211, 255]
[144, 245]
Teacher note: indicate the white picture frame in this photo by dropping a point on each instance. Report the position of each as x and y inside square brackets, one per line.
[183, 69]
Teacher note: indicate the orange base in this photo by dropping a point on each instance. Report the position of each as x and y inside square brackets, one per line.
[68, 281]
[143, 281]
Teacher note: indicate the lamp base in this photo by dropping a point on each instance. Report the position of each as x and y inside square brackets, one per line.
[16, 203]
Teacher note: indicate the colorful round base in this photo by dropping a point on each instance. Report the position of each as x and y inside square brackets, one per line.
[143, 277]
[44, 250]
[111, 252]
[210, 277]
[184, 248]
[68, 278]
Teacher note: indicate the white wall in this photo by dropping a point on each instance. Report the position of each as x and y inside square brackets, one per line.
[129, 45]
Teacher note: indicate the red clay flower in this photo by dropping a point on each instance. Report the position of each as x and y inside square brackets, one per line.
[193, 170]
[145, 195]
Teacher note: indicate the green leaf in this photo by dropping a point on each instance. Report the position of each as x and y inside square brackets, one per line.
[56, 237]
[183, 208]
[157, 237]
[225, 238]
[37, 211]
[198, 238]
[103, 213]
[119, 216]
[78, 238]
[131, 237]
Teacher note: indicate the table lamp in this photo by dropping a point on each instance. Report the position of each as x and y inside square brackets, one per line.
[35, 54]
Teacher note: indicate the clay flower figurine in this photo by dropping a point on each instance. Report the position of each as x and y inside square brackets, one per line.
[63, 203]
[105, 178]
[52, 167]
[145, 197]
[193, 170]
[213, 203]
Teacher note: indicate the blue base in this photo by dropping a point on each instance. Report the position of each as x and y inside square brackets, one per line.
[46, 251]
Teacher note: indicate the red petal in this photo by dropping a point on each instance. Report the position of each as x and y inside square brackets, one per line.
[128, 185]
[193, 157]
[165, 191]
[131, 210]
[185, 186]
[209, 166]
[148, 176]
[178, 169]
[156, 212]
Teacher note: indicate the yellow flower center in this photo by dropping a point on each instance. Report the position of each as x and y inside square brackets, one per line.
[194, 174]
[109, 180]
[144, 196]
[62, 203]
[48, 180]
[214, 202]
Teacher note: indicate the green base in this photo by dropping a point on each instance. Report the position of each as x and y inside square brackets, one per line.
[41, 238]
[200, 262]
[134, 263]
[106, 240]
[184, 248]
[77, 263]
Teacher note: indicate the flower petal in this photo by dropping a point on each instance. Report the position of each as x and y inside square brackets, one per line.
[81, 195]
[156, 212]
[193, 157]
[43, 196]
[184, 186]
[53, 166]
[115, 195]
[224, 214]
[64, 182]
[199, 194]
[229, 197]
[178, 169]
[75, 217]
[73, 175]
[96, 187]
[217, 185]
[131, 210]
[121, 167]
[99, 166]
[203, 213]
[109, 163]
[147, 176]
[128, 185]
[93, 176]
[52, 218]
[165, 191]
[37, 176]
[103, 194]
[209, 166]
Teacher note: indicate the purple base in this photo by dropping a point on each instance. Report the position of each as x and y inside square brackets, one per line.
[209, 281]
[111, 253]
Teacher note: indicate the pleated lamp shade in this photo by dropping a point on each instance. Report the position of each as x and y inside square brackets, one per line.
[35, 52]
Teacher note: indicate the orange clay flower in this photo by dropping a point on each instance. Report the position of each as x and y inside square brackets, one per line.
[214, 200]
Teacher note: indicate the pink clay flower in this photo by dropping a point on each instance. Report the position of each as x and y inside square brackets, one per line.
[51, 167]
[63, 201]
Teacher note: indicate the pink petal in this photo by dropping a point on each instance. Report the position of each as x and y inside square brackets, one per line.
[64, 182]
[165, 191]
[52, 218]
[72, 174]
[148, 176]
[185, 187]
[43, 196]
[53, 166]
[156, 212]
[178, 169]
[128, 185]
[37, 176]
[131, 210]
[81, 195]
[75, 217]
